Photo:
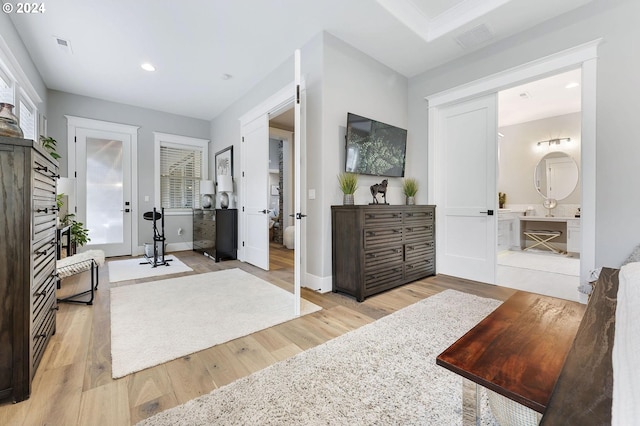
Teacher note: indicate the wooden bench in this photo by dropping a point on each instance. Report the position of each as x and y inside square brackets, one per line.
[86, 261]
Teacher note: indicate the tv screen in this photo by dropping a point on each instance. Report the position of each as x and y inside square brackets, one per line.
[374, 148]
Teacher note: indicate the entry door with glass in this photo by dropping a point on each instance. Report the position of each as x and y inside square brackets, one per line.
[104, 200]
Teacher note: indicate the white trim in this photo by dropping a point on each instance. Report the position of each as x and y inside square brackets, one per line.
[74, 123]
[274, 103]
[176, 141]
[569, 58]
[584, 56]
[316, 283]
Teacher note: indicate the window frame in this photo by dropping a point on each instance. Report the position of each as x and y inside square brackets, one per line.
[182, 142]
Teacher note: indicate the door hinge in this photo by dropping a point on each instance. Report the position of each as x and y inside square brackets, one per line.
[297, 93]
[242, 174]
[242, 208]
[75, 139]
[243, 139]
[75, 174]
[243, 244]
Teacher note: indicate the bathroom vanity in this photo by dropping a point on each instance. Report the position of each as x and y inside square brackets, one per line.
[566, 231]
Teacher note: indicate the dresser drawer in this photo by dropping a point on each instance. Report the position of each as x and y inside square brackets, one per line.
[419, 216]
[373, 281]
[375, 237]
[382, 258]
[418, 232]
[44, 178]
[419, 250]
[41, 300]
[383, 217]
[419, 269]
[42, 334]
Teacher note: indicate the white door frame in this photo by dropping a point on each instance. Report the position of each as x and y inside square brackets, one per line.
[75, 123]
[583, 56]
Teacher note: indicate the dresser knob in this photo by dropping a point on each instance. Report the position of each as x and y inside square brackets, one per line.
[45, 210]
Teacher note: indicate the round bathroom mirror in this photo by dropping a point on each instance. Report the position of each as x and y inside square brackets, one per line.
[556, 175]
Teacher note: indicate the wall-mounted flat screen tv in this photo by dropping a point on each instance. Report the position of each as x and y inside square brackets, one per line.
[374, 148]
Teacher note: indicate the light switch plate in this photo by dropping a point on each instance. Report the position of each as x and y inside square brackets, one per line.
[312, 194]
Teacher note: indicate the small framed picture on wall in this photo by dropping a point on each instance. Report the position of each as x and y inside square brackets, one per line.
[224, 162]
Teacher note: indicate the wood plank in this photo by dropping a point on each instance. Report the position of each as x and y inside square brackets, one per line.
[105, 405]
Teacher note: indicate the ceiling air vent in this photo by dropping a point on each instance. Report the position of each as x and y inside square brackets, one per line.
[63, 45]
[474, 37]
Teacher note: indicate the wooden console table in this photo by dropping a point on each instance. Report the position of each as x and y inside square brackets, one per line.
[517, 351]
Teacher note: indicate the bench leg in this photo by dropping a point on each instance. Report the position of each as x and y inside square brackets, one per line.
[91, 291]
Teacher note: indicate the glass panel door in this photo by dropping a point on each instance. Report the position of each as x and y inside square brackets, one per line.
[105, 193]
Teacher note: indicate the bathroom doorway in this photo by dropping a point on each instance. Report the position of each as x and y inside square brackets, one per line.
[281, 194]
[539, 186]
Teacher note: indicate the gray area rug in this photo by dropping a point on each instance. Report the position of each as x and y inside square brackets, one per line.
[383, 373]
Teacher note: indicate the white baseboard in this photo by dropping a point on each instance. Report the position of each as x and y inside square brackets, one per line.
[316, 283]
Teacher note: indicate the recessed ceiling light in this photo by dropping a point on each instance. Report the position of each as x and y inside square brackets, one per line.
[147, 67]
[571, 85]
[226, 76]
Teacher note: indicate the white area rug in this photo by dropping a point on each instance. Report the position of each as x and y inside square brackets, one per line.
[554, 263]
[159, 321]
[381, 374]
[131, 269]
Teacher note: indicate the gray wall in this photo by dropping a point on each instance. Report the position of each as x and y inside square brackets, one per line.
[149, 121]
[618, 79]
[519, 156]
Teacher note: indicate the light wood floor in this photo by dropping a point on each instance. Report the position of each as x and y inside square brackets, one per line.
[73, 384]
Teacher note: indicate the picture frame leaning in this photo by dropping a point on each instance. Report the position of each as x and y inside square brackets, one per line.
[224, 162]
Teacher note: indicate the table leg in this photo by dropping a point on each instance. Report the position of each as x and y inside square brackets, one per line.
[470, 403]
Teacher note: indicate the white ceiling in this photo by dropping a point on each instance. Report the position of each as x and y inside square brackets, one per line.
[540, 99]
[193, 43]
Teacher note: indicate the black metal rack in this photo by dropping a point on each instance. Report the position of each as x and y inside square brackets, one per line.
[158, 255]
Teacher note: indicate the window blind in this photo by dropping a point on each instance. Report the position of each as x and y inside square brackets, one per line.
[180, 175]
[27, 121]
[6, 88]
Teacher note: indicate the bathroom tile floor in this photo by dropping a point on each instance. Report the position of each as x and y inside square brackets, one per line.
[540, 272]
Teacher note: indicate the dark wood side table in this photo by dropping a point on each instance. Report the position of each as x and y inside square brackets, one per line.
[517, 351]
[64, 231]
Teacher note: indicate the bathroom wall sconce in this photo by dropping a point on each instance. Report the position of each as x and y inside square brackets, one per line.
[554, 141]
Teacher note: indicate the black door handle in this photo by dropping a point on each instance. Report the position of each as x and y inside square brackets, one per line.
[488, 212]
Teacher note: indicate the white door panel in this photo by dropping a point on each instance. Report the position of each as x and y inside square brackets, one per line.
[467, 154]
[297, 111]
[255, 186]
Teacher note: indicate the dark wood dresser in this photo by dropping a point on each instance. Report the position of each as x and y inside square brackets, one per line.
[27, 262]
[378, 247]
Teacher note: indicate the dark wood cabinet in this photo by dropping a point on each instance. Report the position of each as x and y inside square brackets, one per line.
[226, 234]
[27, 262]
[378, 247]
[204, 232]
[215, 233]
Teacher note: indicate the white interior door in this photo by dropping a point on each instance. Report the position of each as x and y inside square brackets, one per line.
[103, 167]
[255, 184]
[466, 157]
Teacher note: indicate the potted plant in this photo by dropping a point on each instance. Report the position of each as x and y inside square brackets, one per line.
[79, 234]
[348, 184]
[49, 144]
[410, 189]
[502, 199]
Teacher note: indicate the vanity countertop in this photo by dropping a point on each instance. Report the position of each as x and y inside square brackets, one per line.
[549, 219]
